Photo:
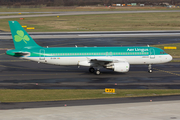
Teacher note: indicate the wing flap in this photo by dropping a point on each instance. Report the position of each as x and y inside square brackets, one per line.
[101, 60]
[105, 61]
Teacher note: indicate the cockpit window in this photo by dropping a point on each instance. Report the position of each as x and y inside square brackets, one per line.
[162, 52]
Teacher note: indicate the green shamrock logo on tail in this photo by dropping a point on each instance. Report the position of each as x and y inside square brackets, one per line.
[20, 36]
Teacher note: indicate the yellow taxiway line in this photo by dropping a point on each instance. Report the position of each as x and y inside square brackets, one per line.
[167, 72]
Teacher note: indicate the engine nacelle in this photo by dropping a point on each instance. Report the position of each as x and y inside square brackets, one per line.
[119, 67]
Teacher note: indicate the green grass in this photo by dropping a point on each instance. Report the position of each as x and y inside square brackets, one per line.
[103, 22]
[85, 8]
[32, 95]
[175, 61]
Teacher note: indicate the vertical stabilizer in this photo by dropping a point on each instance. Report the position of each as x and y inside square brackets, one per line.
[20, 37]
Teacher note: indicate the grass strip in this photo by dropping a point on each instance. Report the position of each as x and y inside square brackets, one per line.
[175, 61]
[101, 22]
[81, 8]
[33, 95]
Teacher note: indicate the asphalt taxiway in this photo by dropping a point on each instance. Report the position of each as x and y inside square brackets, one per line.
[164, 110]
[99, 34]
[17, 74]
[23, 74]
[62, 103]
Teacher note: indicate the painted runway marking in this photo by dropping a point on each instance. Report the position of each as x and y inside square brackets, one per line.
[6, 48]
[23, 68]
[145, 34]
[35, 69]
[30, 74]
[14, 60]
[2, 66]
[167, 72]
[2, 53]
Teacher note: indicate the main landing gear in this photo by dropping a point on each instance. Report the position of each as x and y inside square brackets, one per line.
[92, 70]
[150, 68]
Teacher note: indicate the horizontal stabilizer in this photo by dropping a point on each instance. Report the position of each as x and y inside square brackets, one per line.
[21, 53]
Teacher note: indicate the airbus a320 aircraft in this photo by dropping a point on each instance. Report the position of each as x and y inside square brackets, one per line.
[114, 58]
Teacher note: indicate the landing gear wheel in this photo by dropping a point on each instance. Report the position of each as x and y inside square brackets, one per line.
[91, 70]
[150, 68]
[150, 71]
[97, 72]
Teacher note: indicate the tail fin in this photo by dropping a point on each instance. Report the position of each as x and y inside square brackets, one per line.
[20, 37]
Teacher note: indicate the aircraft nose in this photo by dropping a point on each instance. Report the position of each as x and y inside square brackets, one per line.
[170, 57]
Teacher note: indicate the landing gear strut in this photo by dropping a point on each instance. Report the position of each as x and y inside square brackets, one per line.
[150, 68]
[92, 70]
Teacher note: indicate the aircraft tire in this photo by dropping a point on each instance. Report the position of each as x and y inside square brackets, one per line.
[91, 70]
[150, 71]
[97, 72]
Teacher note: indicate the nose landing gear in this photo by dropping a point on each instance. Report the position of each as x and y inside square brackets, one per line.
[150, 68]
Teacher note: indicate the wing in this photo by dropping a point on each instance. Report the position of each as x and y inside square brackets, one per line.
[104, 61]
[100, 62]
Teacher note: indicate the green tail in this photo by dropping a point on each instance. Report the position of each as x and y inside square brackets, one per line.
[20, 37]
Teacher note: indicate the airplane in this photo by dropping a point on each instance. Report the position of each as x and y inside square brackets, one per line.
[117, 59]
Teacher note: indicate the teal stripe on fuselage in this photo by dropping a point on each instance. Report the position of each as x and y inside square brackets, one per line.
[89, 51]
[95, 51]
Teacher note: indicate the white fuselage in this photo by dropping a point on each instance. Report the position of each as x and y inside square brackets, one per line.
[156, 59]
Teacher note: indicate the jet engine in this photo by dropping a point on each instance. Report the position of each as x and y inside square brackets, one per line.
[119, 67]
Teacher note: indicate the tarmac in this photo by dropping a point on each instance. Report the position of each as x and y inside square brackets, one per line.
[164, 110]
[16, 74]
[23, 74]
[99, 34]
